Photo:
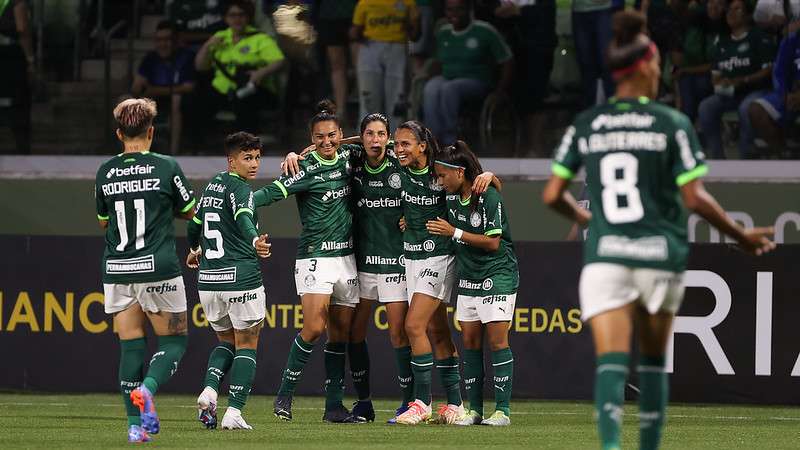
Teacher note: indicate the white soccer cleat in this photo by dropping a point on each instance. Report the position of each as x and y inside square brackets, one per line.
[417, 412]
[470, 418]
[449, 414]
[207, 408]
[498, 419]
[233, 420]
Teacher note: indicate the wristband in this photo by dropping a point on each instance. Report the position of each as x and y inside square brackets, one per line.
[457, 233]
[255, 239]
[195, 251]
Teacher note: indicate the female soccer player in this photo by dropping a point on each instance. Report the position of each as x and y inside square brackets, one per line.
[641, 157]
[325, 270]
[137, 195]
[225, 245]
[430, 273]
[487, 278]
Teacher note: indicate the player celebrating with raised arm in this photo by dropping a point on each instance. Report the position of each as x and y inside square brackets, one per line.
[137, 194]
[430, 273]
[487, 278]
[325, 270]
[224, 243]
[641, 157]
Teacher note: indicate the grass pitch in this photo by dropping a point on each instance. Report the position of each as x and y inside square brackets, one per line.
[96, 421]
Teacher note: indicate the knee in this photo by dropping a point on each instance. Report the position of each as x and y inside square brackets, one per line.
[313, 330]
[472, 342]
[398, 337]
[498, 342]
[414, 329]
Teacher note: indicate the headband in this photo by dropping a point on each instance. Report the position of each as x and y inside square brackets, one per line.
[627, 70]
[452, 166]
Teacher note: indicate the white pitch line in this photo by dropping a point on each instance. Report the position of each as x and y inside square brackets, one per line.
[520, 413]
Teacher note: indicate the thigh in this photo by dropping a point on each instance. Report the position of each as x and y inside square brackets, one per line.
[345, 285]
[315, 310]
[130, 322]
[167, 323]
[603, 287]
[396, 313]
[360, 322]
[216, 310]
[433, 86]
[653, 331]
[422, 308]
[247, 338]
[611, 329]
[465, 89]
[340, 319]
[472, 334]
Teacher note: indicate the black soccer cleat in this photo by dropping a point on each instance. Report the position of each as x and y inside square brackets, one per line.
[283, 407]
[338, 414]
[363, 411]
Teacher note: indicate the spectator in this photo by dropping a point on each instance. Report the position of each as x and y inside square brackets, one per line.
[534, 42]
[775, 112]
[741, 65]
[245, 62]
[467, 52]
[196, 20]
[591, 29]
[166, 74]
[383, 29]
[771, 14]
[716, 9]
[333, 21]
[17, 61]
[691, 59]
[422, 48]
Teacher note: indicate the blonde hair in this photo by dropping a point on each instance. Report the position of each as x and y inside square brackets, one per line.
[135, 116]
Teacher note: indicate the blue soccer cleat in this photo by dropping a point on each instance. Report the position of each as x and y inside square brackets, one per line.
[137, 434]
[142, 398]
[403, 408]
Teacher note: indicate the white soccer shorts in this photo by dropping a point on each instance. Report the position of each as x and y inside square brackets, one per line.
[489, 308]
[239, 310]
[432, 276]
[334, 275]
[384, 287]
[155, 296]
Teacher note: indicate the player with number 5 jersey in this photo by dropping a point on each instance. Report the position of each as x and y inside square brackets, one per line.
[138, 193]
[643, 167]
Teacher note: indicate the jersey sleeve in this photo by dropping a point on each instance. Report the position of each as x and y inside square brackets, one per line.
[100, 201]
[360, 14]
[182, 194]
[687, 156]
[282, 188]
[492, 213]
[270, 52]
[766, 50]
[497, 45]
[242, 208]
[567, 160]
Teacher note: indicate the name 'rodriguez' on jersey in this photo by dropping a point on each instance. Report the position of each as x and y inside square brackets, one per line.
[323, 195]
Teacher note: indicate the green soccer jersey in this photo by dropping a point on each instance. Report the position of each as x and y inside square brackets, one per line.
[482, 273]
[471, 53]
[225, 226]
[637, 155]
[424, 199]
[377, 196]
[323, 195]
[139, 194]
[744, 56]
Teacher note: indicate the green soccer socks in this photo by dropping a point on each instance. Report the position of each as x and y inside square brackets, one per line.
[609, 394]
[450, 378]
[359, 368]
[164, 361]
[652, 400]
[421, 366]
[219, 362]
[334, 373]
[473, 378]
[298, 357]
[503, 365]
[131, 366]
[242, 374]
[404, 375]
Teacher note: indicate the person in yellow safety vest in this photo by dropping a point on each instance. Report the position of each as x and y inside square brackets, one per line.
[244, 60]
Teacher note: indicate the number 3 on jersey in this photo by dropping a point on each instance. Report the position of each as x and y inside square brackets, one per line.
[619, 173]
[213, 235]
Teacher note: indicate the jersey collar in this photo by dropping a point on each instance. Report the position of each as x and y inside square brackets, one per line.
[418, 171]
[234, 174]
[464, 201]
[379, 169]
[326, 162]
[641, 100]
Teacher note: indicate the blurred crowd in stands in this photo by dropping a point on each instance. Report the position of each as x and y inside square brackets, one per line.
[732, 66]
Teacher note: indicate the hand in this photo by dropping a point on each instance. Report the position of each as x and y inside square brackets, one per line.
[482, 182]
[440, 227]
[193, 258]
[402, 224]
[756, 241]
[263, 247]
[506, 9]
[256, 76]
[290, 165]
[214, 41]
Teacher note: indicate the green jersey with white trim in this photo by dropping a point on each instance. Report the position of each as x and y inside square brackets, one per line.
[480, 272]
[637, 155]
[323, 195]
[225, 226]
[139, 194]
[424, 199]
[376, 192]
